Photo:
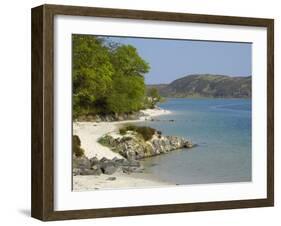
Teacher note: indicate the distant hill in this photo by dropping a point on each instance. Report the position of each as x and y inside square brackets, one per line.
[207, 85]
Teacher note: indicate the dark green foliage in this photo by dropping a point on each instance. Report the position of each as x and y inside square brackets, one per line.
[153, 93]
[219, 86]
[92, 74]
[145, 131]
[122, 131]
[127, 62]
[128, 88]
[131, 127]
[152, 98]
[127, 94]
[105, 141]
[76, 146]
[107, 77]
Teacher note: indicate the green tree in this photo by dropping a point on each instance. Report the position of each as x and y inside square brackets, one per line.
[127, 94]
[107, 77]
[128, 91]
[152, 98]
[154, 94]
[92, 74]
[127, 62]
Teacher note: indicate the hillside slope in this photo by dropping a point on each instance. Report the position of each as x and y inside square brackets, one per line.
[207, 85]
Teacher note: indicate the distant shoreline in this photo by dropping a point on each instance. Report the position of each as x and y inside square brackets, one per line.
[206, 86]
[203, 97]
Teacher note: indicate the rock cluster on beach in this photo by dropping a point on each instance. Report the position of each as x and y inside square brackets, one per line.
[84, 166]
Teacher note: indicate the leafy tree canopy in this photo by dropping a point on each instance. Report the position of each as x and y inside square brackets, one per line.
[107, 77]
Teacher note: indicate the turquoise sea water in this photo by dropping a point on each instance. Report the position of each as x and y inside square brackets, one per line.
[222, 130]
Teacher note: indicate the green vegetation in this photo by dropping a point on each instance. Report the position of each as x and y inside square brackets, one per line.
[123, 131]
[76, 146]
[145, 131]
[107, 77]
[105, 141]
[153, 93]
[152, 97]
[206, 85]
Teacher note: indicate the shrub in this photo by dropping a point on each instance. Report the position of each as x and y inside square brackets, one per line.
[122, 131]
[131, 128]
[76, 146]
[145, 131]
[105, 141]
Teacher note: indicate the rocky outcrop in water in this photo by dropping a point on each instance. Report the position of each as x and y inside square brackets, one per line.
[132, 146]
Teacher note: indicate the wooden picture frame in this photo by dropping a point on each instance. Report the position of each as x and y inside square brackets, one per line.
[43, 112]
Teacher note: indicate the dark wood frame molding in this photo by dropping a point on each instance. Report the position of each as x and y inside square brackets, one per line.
[42, 203]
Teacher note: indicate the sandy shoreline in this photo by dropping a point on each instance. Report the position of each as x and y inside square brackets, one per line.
[118, 180]
[89, 133]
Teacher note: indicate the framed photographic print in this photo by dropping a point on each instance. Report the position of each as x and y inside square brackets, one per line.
[141, 112]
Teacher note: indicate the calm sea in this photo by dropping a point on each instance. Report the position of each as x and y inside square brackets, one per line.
[222, 130]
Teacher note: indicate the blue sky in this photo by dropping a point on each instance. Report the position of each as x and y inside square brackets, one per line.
[172, 59]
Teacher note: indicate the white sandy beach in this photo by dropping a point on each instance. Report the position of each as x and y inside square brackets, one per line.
[89, 133]
[121, 180]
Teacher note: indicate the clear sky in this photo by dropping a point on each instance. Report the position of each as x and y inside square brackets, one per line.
[172, 59]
